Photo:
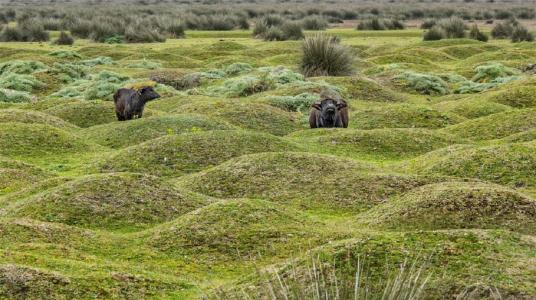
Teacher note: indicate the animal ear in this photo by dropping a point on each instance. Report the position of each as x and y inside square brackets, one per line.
[341, 104]
[317, 105]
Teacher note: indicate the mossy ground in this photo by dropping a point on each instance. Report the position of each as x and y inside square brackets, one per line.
[211, 186]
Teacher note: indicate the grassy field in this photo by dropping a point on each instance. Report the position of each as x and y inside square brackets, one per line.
[219, 186]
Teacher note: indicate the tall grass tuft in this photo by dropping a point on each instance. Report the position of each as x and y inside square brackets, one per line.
[521, 34]
[478, 35]
[64, 39]
[314, 23]
[324, 56]
[435, 33]
[454, 28]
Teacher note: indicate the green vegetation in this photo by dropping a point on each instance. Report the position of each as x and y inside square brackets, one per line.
[222, 191]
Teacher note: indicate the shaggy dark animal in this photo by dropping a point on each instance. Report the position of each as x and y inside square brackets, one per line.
[129, 103]
[329, 113]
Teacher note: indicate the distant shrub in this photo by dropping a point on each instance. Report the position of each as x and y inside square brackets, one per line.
[454, 28]
[521, 34]
[142, 33]
[434, 34]
[105, 28]
[64, 39]
[115, 39]
[380, 24]
[292, 31]
[314, 23]
[274, 34]
[324, 57]
[424, 83]
[272, 20]
[502, 30]
[10, 34]
[81, 29]
[260, 29]
[476, 34]
[428, 23]
[25, 32]
[175, 30]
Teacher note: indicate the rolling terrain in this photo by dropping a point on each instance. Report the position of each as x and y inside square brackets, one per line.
[222, 182]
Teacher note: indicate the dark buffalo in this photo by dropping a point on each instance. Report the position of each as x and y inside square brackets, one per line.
[129, 103]
[329, 113]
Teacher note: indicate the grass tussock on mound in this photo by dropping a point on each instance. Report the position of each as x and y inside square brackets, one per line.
[254, 116]
[37, 140]
[113, 202]
[488, 254]
[191, 152]
[510, 164]
[15, 175]
[122, 134]
[33, 117]
[390, 143]
[495, 126]
[471, 108]
[304, 178]
[235, 229]
[361, 88]
[400, 116]
[452, 205]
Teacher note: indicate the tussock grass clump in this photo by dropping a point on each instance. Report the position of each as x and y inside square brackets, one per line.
[423, 83]
[457, 205]
[236, 229]
[12, 96]
[314, 23]
[191, 152]
[381, 24]
[299, 103]
[25, 67]
[24, 32]
[493, 71]
[115, 202]
[434, 34]
[454, 28]
[19, 82]
[64, 39]
[324, 56]
[68, 72]
[97, 86]
[503, 30]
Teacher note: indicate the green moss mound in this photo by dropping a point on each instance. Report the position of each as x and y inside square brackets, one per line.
[113, 202]
[191, 152]
[511, 164]
[388, 143]
[306, 179]
[471, 108]
[255, 116]
[22, 230]
[16, 175]
[400, 116]
[518, 97]
[122, 134]
[361, 88]
[24, 140]
[525, 136]
[33, 117]
[497, 259]
[236, 229]
[495, 126]
[461, 205]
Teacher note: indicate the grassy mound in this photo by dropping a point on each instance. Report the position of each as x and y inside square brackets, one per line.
[33, 117]
[114, 202]
[400, 116]
[15, 175]
[376, 143]
[496, 259]
[122, 134]
[23, 140]
[471, 108]
[253, 116]
[236, 229]
[495, 126]
[518, 97]
[302, 178]
[31, 231]
[457, 205]
[525, 136]
[190, 152]
[18, 282]
[512, 164]
[360, 88]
